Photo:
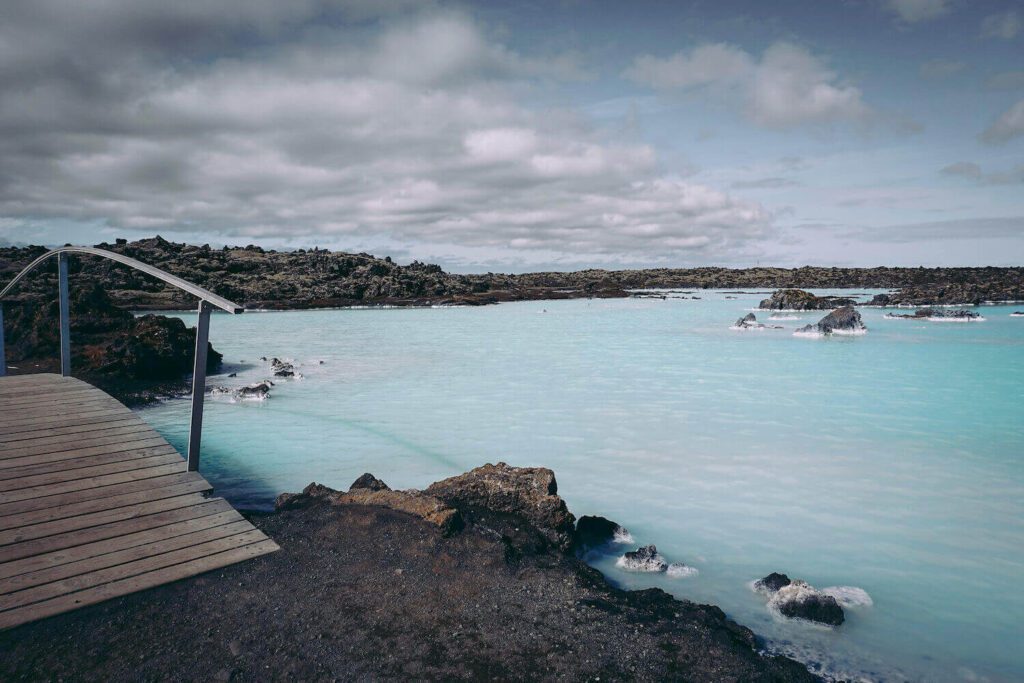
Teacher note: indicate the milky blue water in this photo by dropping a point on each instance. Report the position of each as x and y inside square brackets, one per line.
[890, 462]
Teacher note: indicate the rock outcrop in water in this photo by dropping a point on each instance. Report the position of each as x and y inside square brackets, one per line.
[797, 599]
[845, 320]
[749, 322]
[595, 532]
[937, 314]
[510, 499]
[799, 300]
[644, 559]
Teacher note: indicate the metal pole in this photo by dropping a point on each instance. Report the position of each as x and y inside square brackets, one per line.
[195, 430]
[3, 358]
[65, 324]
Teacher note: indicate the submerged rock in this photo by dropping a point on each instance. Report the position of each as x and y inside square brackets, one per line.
[845, 320]
[797, 599]
[937, 314]
[1017, 314]
[282, 368]
[645, 559]
[799, 300]
[260, 391]
[595, 532]
[771, 583]
[800, 600]
[749, 322]
[499, 495]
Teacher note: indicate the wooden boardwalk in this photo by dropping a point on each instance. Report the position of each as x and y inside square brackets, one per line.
[94, 504]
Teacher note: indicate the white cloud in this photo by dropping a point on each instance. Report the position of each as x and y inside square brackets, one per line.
[704, 65]
[913, 11]
[788, 86]
[416, 132]
[972, 171]
[1005, 26]
[1008, 126]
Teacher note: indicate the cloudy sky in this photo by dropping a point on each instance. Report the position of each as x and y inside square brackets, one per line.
[522, 135]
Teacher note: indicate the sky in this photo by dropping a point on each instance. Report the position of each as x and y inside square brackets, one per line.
[519, 136]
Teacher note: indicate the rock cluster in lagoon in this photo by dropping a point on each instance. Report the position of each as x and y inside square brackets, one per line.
[799, 300]
[648, 559]
[797, 599]
[749, 322]
[938, 315]
[845, 320]
[1017, 314]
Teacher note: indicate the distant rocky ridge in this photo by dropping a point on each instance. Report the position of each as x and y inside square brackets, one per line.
[259, 278]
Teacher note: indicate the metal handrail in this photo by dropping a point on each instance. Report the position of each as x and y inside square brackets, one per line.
[207, 300]
[195, 290]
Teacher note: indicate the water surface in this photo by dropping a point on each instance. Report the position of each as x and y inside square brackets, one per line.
[890, 462]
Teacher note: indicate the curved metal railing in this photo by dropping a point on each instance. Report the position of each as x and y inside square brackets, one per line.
[207, 300]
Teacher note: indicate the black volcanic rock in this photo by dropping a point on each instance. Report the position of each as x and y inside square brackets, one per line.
[772, 583]
[593, 532]
[845, 319]
[368, 481]
[927, 313]
[799, 300]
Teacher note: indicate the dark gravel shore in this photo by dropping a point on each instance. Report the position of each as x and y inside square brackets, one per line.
[361, 592]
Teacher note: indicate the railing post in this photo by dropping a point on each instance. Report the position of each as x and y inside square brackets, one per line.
[195, 430]
[3, 358]
[65, 323]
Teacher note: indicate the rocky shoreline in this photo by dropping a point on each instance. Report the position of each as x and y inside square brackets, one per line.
[477, 576]
[305, 279]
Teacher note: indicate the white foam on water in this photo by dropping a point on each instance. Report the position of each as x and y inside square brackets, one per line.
[813, 334]
[849, 596]
[851, 333]
[654, 565]
[784, 317]
[623, 536]
[743, 328]
[943, 319]
[678, 570]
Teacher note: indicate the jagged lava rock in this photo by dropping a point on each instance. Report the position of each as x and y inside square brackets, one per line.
[772, 583]
[594, 532]
[842, 320]
[368, 481]
[645, 559]
[799, 300]
[802, 601]
[500, 495]
[313, 493]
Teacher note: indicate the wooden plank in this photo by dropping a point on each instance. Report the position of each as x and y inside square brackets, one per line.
[68, 422]
[78, 537]
[59, 404]
[48, 394]
[133, 584]
[98, 548]
[112, 559]
[197, 485]
[45, 444]
[50, 459]
[45, 432]
[57, 499]
[128, 569]
[89, 483]
[38, 475]
[30, 388]
[142, 439]
[57, 416]
[59, 526]
[62, 476]
[36, 421]
[36, 379]
[57, 464]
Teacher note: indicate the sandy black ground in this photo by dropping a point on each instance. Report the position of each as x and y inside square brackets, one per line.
[367, 593]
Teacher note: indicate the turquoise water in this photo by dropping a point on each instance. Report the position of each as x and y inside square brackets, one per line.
[890, 462]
